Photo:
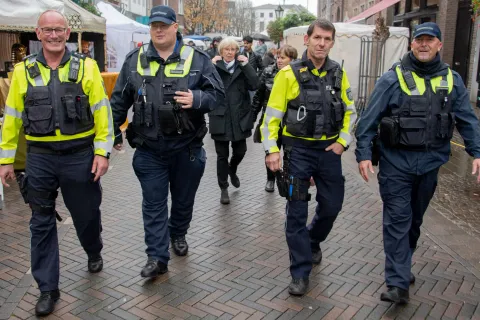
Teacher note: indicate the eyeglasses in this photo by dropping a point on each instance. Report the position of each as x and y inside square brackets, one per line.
[58, 31]
[160, 26]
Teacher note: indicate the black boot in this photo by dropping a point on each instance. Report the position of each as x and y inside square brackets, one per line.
[317, 256]
[233, 177]
[179, 245]
[412, 278]
[395, 295]
[46, 302]
[270, 186]
[224, 199]
[95, 263]
[298, 287]
[153, 268]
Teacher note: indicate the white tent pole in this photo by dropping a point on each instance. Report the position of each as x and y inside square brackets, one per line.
[79, 42]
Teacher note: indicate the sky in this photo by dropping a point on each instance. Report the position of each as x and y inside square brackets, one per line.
[312, 4]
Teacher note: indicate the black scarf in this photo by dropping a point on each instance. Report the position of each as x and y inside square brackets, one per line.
[432, 69]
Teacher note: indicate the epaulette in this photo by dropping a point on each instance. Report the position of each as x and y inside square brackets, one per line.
[30, 56]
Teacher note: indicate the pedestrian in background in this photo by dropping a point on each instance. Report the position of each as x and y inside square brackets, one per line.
[269, 58]
[57, 97]
[286, 54]
[416, 104]
[213, 51]
[232, 121]
[261, 48]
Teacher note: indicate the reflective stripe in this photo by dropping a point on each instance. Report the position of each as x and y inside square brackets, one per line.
[7, 153]
[38, 79]
[107, 146]
[12, 112]
[183, 57]
[269, 114]
[415, 92]
[98, 105]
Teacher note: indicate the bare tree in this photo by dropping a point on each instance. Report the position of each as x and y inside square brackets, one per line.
[241, 19]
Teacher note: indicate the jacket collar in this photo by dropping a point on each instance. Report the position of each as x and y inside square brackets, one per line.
[152, 54]
[327, 65]
[65, 58]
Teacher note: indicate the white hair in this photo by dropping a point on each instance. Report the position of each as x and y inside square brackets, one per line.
[228, 42]
[52, 10]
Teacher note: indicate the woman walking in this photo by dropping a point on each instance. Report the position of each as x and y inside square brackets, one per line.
[233, 120]
[285, 55]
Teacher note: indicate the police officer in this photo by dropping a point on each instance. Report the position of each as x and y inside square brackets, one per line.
[59, 99]
[286, 54]
[416, 105]
[313, 97]
[171, 87]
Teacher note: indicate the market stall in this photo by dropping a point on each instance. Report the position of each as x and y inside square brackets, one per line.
[347, 47]
[123, 35]
[18, 21]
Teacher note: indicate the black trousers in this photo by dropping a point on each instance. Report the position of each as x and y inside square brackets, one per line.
[239, 148]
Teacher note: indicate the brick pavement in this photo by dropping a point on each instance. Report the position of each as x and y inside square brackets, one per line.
[237, 267]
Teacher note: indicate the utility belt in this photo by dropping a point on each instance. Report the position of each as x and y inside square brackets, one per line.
[288, 186]
[40, 150]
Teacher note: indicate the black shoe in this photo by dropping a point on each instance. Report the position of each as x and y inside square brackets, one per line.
[153, 268]
[395, 295]
[298, 287]
[270, 186]
[412, 278]
[46, 302]
[224, 199]
[95, 263]
[317, 256]
[234, 178]
[179, 245]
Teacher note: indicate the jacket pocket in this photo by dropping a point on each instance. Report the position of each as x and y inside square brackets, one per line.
[216, 123]
[77, 117]
[38, 120]
[246, 119]
[297, 122]
[413, 132]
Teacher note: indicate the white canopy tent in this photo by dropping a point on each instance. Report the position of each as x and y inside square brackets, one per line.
[123, 34]
[22, 15]
[347, 46]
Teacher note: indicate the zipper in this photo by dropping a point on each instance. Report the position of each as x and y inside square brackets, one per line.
[53, 79]
[428, 87]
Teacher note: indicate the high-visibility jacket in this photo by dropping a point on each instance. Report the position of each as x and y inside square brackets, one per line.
[57, 111]
[286, 89]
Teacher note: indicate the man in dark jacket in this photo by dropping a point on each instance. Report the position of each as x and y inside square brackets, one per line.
[232, 120]
[417, 104]
[171, 87]
[254, 59]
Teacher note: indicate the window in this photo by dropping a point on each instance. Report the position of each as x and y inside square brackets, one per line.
[261, 15]
[180, 6]
[370, 4]
[262, 26]
[362, 8]
[270, 14]
[432, 2]
[165, 2]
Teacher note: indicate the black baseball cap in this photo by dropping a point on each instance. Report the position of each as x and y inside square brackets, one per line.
[427, 28]
[163, 14]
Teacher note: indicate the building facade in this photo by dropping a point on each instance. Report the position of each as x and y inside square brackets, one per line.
[452, 16]
[266, 13]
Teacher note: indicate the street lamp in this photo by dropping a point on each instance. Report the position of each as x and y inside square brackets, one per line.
[279, 12]
[279, 15]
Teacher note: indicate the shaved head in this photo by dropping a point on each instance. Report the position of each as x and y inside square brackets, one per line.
[49, 13]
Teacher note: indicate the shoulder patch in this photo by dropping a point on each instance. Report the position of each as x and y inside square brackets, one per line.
[349, 94]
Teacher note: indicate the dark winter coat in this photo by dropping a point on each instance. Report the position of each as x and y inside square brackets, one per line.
[233, 120]
[255, 60]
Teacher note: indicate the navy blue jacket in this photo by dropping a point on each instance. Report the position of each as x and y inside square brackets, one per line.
[204, 82]
[387, 94]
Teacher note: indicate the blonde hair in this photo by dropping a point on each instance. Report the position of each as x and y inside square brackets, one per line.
[52, 10]
[228, 42]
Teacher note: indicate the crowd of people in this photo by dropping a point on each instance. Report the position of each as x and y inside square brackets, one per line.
[307, 110]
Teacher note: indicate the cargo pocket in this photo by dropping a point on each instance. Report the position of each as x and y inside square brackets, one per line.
[246, 119]
[40, 120]
[297, 123]
[216, 123]
[418, 106]
[383, 186]
[168, 122]
[413, 132]
[138, 114]
[82, 105]
[445, 125]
